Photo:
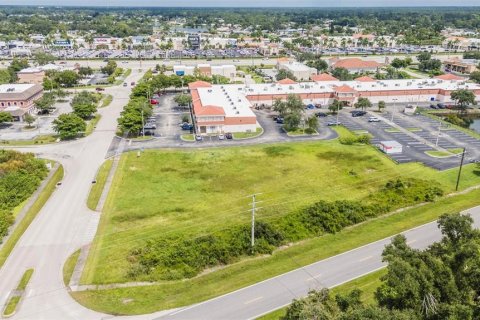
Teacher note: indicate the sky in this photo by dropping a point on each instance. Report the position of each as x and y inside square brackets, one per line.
[246, 3]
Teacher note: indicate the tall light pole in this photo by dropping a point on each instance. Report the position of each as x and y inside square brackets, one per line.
[394, 107]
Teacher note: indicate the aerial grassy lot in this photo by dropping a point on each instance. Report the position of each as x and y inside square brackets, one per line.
[188, 193]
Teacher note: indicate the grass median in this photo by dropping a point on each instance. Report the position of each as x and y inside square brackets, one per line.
[69, 267]
[97, 188]
[30, 215]
[15, 299]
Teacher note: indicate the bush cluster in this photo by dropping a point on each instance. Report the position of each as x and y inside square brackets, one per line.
[175, 258]
[350, 140]
[20, 176]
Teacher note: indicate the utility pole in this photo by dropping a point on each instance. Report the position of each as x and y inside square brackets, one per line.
[460, 169]
[143, 125]
[254, 208]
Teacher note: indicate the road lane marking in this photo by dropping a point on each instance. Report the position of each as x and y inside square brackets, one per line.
[253, 300]
[365, 259]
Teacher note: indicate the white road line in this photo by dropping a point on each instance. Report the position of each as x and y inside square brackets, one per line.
[365, 259]
[253, 300]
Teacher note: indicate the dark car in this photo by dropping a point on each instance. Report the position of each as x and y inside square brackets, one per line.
[440, 106]
[321, 114]
[358, 113]
[280, 120]
[310, 107]
[229, 135]
[99, 89]
[187, 126]
[432, 106]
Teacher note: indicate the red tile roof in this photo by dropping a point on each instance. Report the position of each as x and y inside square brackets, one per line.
[365, 79]
[344, 88]
[323, 77]
[209, 111]
[355, 63]
[199, 84]
[449, 76]
[286, 81]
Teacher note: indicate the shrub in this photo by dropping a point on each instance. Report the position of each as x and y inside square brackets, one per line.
[175, 258]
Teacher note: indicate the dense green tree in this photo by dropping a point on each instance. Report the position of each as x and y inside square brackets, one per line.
[43, 58]
[463, 98]
[66, 78]
[363, 103]
[85, 71]
[319, 64]
[69, 126]
[15, 66]
[5, 76]
[342, 74]
[84, 111]
[381, 105]
[29, 119]
[335, 106]
[475, 76]
[183, 99]
[399, 63]
[5, 117]
[45, 103]
[285, 74]
[109, 69]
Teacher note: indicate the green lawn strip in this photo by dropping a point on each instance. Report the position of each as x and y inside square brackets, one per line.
[359, 132]
[247, 135]
[25, 279]
[395, 130]
[69, 267]
[444, 154]
[97, 188]
[30, 215]
[15, 299]
[43, 139]
[106, 101]
[187, 137]
[209, 285]
[11, 306]
[300, 132]
[368, 284]
[92, 123]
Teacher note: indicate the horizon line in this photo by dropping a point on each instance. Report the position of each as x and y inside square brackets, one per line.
[233, 7]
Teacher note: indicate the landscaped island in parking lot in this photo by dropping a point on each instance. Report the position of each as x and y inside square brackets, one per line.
[179, 217]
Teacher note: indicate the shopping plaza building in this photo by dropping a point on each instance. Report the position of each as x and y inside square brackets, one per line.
[228, 108]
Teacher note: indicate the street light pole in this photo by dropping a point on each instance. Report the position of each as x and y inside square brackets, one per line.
[460, 169]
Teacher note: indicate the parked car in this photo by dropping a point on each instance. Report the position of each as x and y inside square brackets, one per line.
[321, 114]
[373, 119]
[229, 135]
[153, 101]
[198, 137]
[358, 113]
[221, 136]
[318, 106]
[334, 123]
[310, 107]
[187, 126]
[432, 106]
[280, 120]
[98, 89]
[132, 83]
[125, 84]
[440, 106]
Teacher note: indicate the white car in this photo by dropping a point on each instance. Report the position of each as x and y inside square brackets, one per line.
[373, 119]
[221, 136]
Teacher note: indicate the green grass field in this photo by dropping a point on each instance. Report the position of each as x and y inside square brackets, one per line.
[14, 300]
[194, 192]
[247, 135]
[368, 284]
[97, 188]
[69, 267]
[44, 139]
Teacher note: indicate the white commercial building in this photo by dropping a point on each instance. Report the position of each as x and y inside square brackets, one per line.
[299, 70]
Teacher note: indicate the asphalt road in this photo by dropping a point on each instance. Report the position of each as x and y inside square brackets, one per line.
[274, 293]
[64, 224]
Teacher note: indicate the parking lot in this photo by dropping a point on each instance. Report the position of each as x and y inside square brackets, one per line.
[414, 144]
